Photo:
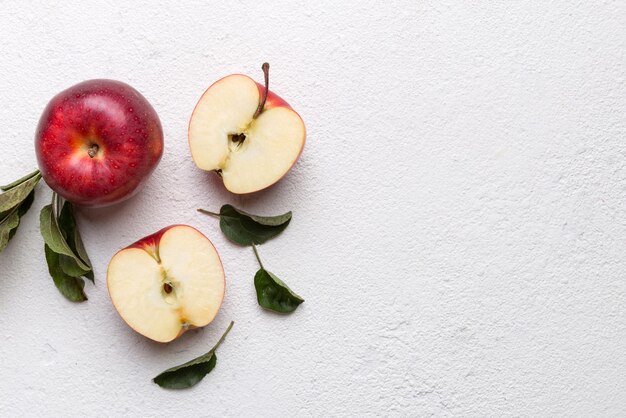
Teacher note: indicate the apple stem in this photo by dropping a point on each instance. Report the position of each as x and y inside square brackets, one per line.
[256, 253]
[207, 212]
[57, 204]
[93, 150]
[221, 340]
[266, 72]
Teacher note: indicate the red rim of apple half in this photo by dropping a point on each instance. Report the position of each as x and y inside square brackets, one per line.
[245, 133]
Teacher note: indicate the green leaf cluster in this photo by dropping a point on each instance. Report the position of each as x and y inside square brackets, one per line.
[68, 262]
[15, 200]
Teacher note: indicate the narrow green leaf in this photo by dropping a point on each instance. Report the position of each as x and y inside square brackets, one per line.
[9, 223]
[277, 220]
[26, 204]
[246, 229]
[188, 374]
[18, 193]
[71, 267]
[67, 223]
[69, 229]
[89, 276]
[54, 238]
[18, 181]
[8, 227]
[273, 294]
[70, 287]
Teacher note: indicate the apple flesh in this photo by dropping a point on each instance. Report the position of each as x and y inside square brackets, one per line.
[97, 142]
[167, 283]
[250, 150]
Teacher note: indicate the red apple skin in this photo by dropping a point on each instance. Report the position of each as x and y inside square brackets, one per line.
[151, 242]
[273, 100]
[115, 117]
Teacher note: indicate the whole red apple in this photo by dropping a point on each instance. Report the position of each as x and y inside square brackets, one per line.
[97, 142]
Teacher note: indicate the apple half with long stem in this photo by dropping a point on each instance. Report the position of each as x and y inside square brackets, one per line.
[245, 133]
[167, 283]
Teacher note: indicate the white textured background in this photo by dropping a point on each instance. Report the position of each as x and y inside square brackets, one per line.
[460, 210]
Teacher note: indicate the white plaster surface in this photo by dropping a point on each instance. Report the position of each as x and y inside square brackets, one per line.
[459, 228]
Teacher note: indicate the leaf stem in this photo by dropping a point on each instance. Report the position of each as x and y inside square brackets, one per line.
[256, 253]
[221, 340]
[207, 212]
[266, 72]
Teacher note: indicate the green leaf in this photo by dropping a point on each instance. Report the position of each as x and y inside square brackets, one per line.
[188, 374]
[26, 204]
[69, 229]
[10, 220]
[63, 249]
[18, 193]
[67, 223]
[70, 287]
[273, 294]
[8, 227]
[277, 220]
[71, 267]
[54, 238]
[16, 182]
[89, 275]
[14, 203]
[246, 229]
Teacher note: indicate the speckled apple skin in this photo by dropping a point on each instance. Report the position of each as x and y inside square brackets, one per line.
[123, 125]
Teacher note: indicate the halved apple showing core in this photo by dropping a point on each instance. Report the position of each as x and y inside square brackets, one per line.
[167, 283]
[249, 138]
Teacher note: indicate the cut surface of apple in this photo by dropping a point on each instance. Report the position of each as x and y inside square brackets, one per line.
[167, 283]
[250, 153]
